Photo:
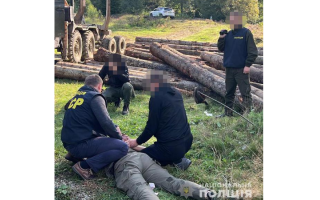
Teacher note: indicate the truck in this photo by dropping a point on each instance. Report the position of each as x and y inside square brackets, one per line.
[77, 40]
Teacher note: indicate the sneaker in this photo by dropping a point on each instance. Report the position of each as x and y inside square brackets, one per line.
[86, 174]
[184, 164]
[71, 158]
[125, 110]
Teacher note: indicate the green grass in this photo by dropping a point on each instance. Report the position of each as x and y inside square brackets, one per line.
[130, 26]
[223, 149]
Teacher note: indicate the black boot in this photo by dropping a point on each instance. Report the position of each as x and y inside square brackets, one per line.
[184, 164]
[125, 110]
[117, 103]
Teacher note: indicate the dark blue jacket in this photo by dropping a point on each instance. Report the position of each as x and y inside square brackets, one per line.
[79, 121]
[235, 49]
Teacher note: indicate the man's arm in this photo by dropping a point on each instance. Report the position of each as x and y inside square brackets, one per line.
[221, 42]
[153, 120]
[104, 71]
[124, 77]
[98, 106]
[251, 49]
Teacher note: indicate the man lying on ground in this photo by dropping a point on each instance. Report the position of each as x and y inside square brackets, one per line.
[134, 171]
[86, 117]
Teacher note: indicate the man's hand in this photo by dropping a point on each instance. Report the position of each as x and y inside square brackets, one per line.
[246, 70]
[133, 143]
[125, 137]
[127, 142]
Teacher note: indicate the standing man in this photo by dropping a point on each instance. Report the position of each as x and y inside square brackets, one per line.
[119, 82]
[85, 120]
[168, 122]
[240, 52]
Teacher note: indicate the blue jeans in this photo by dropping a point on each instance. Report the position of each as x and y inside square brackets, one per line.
[99, 151]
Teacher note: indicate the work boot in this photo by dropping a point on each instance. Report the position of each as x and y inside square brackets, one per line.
[71, 158]
[184, 164]
[117, 103]
[86, 174]
[125, 110]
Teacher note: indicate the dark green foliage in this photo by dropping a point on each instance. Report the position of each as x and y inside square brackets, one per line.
[215, 9]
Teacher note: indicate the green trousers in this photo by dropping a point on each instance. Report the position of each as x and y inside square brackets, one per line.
[234, 77]
[136, 170]
[126, 92]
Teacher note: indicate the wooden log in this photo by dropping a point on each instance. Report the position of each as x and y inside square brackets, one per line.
[201, 75]
[141, 55]
[74, 73]
[256, 75]
[259, 59]
[179, 42]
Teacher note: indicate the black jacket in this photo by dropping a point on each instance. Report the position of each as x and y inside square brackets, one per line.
[167, 119]
[115, 80]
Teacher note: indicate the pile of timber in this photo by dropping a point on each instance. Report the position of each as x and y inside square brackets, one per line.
[188, 64]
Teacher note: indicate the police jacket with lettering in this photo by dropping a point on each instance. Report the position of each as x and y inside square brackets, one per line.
[80, 123]
[239, 48]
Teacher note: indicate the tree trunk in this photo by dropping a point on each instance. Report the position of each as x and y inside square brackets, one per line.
[256, 75]
[180, 42]
[79, 74]
[195, 71]
[142, 55]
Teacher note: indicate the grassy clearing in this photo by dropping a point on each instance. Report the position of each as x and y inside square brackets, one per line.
[223, 150]
[130, 26]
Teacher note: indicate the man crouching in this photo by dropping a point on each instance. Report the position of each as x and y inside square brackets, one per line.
[85, 126]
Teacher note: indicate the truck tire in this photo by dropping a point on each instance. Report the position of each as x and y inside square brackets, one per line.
[75, 47]
[121, 44]
[88, 42]
[110, 44]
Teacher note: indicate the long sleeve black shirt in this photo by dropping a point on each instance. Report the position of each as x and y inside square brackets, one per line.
[167, 119]
[251, 47]
[115, 80]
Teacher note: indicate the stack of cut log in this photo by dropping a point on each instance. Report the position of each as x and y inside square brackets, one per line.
[189, 64]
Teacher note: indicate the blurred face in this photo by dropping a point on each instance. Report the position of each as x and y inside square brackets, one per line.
[154, 87]
[113, 67]
[236, 20]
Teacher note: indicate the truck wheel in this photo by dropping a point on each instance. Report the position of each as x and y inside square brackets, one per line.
[75, 47]
[121, 44]
[110, 44]
[160, 15]
[88, 45]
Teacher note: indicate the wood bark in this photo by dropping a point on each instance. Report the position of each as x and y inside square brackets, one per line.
[78, 73]
[256, 75]
[194, 70]
[141, 55]
[130, 61]
[179, 42]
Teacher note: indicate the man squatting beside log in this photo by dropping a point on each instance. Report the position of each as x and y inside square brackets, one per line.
[119, 82]
[240, 52]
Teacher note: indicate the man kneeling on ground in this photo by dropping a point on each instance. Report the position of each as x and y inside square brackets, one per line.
[167, 121]
[85, 120]
[119, 82]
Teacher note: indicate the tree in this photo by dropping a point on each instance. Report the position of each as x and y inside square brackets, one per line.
[132, 7]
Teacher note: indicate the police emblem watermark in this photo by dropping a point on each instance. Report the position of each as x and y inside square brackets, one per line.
[185, 191]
